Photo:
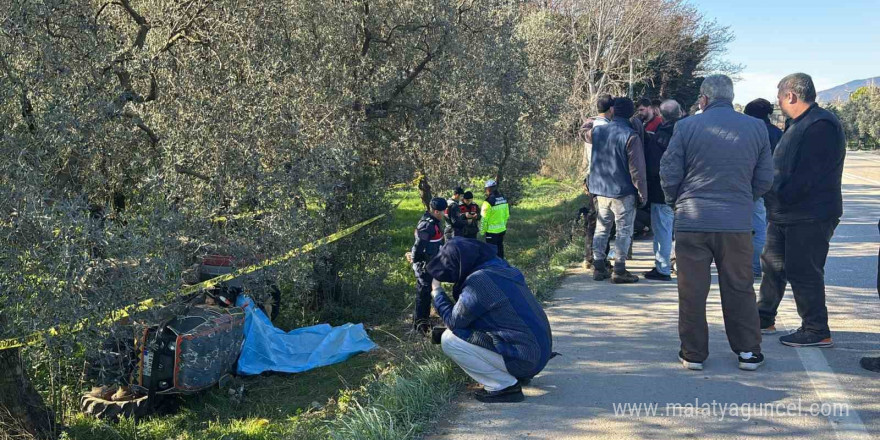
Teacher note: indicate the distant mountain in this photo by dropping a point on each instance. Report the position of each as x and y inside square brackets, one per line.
[842, 92]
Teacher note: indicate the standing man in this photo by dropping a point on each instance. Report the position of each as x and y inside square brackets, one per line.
[429, 239]
[605, 106]
[804, 207]
[661, 214]
[495, 213]
[452, 212]
[718, 163]
[649, 117]
[469, 216]
[617, 178]
[762, 109]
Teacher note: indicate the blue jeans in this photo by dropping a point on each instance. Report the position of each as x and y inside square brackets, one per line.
[662, 218]
[621, 212]
[759, 226]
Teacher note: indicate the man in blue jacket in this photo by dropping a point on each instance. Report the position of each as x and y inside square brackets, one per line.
[496, 332]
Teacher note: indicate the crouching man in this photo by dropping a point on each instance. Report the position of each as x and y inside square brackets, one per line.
[496, 332]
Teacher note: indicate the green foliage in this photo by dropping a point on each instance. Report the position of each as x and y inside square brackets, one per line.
[860, 117]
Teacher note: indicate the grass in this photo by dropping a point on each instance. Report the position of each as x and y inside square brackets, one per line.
[389, 393]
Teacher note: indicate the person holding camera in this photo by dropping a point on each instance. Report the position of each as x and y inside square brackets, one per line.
[496, 331]
[429, 239]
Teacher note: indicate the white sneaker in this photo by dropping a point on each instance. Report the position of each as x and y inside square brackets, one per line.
[690, 365]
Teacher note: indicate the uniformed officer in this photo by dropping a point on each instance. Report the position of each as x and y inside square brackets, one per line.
[429, 239]
[452, 211]
[495, 213]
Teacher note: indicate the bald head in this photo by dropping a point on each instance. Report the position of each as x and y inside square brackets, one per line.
[670, 110]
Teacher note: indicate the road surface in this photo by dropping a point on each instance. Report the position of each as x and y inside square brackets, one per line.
[619, 376]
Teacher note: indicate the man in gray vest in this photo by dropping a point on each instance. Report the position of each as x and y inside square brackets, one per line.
[617, 179]
[804, 207]
[717, 164]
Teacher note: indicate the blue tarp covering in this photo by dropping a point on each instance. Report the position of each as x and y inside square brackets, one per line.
[267, 348]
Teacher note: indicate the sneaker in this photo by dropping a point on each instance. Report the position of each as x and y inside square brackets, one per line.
[870, 363]
[510, 394]
[749, 361]
[769, 330]
[803, 338]
[653, 274]
[690, 365]
[624, 278]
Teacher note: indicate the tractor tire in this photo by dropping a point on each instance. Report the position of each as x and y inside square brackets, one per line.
[111, 410]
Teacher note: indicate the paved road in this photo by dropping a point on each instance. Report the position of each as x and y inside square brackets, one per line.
[620, 346]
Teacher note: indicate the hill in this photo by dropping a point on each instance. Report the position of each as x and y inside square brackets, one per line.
[843, 91]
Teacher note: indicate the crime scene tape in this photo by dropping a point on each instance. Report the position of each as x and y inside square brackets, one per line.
[36, 338]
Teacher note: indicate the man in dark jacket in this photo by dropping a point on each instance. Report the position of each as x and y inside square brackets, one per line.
[804, 207]
[617, 178]
[429, 239]
[717, 164]
[452, 211]
[496, 331]
[469, 217]
[661, 214]
[762, 109]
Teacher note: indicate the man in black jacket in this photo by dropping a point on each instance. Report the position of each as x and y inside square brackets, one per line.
[428, 240]
[804, 207]
[661, 214]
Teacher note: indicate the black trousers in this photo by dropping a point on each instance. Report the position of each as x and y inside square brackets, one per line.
[497, 240]
[796, 254]
[422, 312]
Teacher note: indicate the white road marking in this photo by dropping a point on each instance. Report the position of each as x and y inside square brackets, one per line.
[853, 176]
[847, 426]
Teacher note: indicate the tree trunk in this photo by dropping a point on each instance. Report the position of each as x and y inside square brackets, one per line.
[22, 410]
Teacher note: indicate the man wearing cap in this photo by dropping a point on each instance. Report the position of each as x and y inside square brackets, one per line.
[429, 239]
[495, 213]
[618, 179]
[452, 218]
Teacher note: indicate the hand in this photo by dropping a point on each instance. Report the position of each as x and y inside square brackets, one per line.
[409, 257]
[435, 285]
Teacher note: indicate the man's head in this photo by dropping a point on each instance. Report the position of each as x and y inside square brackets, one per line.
[604, 103]
[490, 186]
[468, 197]
[623, 107]
[670, 110]
[759, 108]
[457, 193]
[796, 93]
[437, 207]
[715, 88]
[646, 111]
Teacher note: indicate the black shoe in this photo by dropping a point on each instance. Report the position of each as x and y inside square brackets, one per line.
[624, 278]
[653, 274]
[870, 364]
[803, 338]
[689, 364]
[524, 381]
[510, 394]
[752, 362]
[600, 270]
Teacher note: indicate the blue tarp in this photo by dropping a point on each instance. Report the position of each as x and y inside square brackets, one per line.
[267, 348]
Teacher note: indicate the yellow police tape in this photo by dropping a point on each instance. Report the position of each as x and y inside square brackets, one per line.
[36, 338]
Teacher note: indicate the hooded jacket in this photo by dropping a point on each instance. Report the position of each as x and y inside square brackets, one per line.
[495, 310]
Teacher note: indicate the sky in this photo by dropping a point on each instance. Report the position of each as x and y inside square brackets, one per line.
[833, 41]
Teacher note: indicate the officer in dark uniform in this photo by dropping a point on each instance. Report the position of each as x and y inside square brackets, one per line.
[429, 239]
[452, 210]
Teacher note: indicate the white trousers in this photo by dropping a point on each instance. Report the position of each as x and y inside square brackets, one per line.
[482, 365]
